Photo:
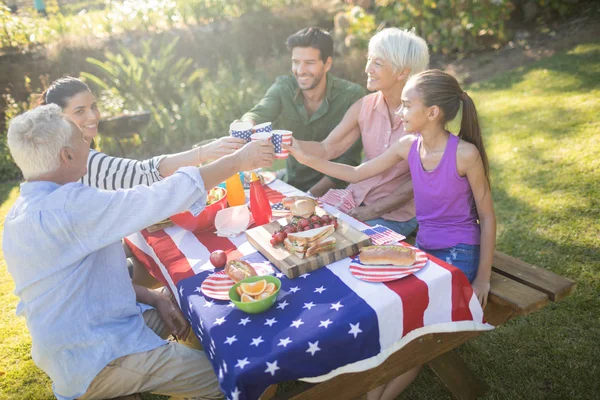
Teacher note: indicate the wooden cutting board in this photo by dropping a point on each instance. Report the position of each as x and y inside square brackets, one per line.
[349, 241]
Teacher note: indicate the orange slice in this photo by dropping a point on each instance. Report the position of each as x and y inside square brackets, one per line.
[239, 291]
[246, 298]
[270, 288]
[254, 288]
[264, 295]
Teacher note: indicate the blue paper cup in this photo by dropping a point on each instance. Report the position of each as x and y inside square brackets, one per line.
[264, 127]
[241, 129]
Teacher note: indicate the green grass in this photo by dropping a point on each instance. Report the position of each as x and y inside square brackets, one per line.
[541, 127]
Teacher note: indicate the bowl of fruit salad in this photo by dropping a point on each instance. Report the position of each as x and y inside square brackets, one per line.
[215, 202]
[255, 294]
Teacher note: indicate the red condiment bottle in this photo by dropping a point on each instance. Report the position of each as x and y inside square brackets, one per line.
[259, 203]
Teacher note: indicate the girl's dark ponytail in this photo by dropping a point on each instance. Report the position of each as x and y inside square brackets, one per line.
[470, 131]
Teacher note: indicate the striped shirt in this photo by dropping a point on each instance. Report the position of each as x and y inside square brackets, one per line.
[112, 173]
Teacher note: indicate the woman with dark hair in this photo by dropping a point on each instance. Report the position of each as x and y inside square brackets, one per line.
[112, 173]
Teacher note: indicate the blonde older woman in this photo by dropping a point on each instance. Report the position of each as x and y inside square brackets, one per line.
[386, 199]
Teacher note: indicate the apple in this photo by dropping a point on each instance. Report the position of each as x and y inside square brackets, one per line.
[218, 258]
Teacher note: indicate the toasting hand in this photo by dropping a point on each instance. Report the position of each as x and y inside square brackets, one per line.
[296, 151]
[256, 154]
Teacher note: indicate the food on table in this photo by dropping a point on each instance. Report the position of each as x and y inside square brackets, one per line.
[300, 242]
[253, 291]
[238, 270]
[214, 195]
[322, 246]
[302, 207]
[300, 224]
[218, 258]
[388, 255]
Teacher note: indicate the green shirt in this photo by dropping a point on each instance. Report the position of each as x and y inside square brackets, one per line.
[282, 105]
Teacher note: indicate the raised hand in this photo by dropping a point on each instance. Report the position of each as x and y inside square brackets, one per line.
[295, 150]
[221, 147]
[256, 154]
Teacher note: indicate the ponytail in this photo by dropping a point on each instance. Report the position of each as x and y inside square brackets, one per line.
[440, 89]
[470, 131]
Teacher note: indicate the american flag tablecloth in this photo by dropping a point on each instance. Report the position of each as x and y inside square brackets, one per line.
[323, 324]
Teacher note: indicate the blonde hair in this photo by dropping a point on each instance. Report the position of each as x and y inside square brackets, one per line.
[36, 137]
[403, 48]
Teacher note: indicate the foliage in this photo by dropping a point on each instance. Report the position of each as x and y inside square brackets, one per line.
[447, 25]
[187, 104]
[561, 7]
[545, 186]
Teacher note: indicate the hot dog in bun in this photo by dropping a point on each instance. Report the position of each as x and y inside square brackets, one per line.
[238, 270]
[388, 255]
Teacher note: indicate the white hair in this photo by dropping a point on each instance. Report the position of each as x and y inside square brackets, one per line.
[403, 48]
[36, 138]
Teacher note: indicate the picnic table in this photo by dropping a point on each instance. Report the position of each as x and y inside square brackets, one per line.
[339, 335]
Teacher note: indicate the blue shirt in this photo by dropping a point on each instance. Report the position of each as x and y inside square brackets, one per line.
[62, 246]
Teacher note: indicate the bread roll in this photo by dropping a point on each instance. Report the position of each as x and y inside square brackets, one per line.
[388, 255]
[238, 270]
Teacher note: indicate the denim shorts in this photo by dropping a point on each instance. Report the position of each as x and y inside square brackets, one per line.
[404, 228]
[463, 256]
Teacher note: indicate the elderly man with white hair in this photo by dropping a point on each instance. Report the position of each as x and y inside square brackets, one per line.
[394, 55]
[62, 245]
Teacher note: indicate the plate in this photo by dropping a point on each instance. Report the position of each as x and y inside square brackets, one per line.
[386, 273]
[217, 285]
[267, 177]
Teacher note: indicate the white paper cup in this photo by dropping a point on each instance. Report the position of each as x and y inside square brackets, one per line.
[241, 129]
[261, 136]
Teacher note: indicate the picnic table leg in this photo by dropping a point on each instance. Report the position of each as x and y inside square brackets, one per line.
[269, 392]
[457, 377]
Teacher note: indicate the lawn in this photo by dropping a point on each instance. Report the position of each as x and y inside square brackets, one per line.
[541, 129]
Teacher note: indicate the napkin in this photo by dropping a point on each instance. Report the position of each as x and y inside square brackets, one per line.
[232, 221]
[342, 199]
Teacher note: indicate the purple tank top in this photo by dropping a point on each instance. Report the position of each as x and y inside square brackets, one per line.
[444, 201]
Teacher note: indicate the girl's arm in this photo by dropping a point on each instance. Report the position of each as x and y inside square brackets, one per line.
[470, 162]
[388, 159]
[339, 140]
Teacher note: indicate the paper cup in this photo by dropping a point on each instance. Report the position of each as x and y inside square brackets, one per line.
[261, 136]
[279, 138]
[264, 127]
[241, 129]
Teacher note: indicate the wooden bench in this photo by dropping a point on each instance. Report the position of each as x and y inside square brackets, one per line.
[517, 288]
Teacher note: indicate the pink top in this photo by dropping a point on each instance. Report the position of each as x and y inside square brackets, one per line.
[378, 134]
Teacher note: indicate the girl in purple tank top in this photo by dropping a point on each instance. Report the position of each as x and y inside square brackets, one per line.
[450, 175]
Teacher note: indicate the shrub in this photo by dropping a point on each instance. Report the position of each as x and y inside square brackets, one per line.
[447, 25]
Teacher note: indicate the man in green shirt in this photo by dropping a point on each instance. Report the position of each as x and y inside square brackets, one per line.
[310, 103]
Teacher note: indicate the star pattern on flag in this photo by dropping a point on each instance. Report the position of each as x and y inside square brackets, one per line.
[305, 275]
[282, 304]
[209, 304]
[224, 367]
[242, 363]
[309, 305]
[256, 341]
[325, 323]
[198, 290]
[271, 368]
[244, 321]
[220, 321]
[313, 348]
[320, 289]
[297, 323]
[336, 306]
[231, 304]
[270, 321]
[294, 289]
[235, 395]
[354, 329]
[190, 306]
[180, 291]
[284, 342]
[280, 274]
[230, 340]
